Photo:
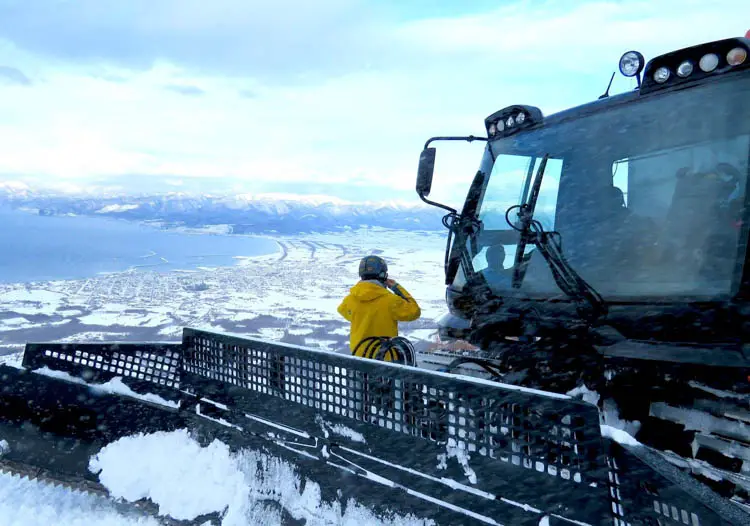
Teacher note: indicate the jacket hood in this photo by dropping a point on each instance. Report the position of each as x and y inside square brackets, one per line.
[368, 290]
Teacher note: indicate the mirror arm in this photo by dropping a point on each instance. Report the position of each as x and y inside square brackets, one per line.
[470, 138]
[433, 203]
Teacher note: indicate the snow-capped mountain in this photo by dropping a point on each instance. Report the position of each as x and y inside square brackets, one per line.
[242, 212]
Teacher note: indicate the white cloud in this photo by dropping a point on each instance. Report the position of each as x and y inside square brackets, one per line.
[327, 118]
[588, 30]
[241, 37]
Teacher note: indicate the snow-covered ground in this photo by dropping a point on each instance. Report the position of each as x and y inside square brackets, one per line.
[291, 295]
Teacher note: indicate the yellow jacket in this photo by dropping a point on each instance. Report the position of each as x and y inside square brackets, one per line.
[374, 311]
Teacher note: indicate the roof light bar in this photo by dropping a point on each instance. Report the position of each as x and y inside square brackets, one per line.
[736, 56]
[512, 119]
[685, 69]
[693, 63]
[709, 62]
[662, 75]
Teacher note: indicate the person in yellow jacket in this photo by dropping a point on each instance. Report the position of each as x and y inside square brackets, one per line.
[376, 304]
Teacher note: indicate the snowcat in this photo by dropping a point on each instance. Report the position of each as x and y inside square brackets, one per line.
[603, 250]
[419, 446]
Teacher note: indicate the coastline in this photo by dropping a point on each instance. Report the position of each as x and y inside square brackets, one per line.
[210, 248]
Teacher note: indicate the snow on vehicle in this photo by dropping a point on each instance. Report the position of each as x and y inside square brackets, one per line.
[604, 248]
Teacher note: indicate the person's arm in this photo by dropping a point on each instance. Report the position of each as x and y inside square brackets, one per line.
[403, 306]
[345, 310]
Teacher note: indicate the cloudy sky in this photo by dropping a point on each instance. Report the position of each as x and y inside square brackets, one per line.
[325, 96]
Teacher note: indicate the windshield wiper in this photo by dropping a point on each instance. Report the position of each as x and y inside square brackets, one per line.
[591, 305]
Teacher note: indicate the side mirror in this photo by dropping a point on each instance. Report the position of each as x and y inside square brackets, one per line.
[425, 171]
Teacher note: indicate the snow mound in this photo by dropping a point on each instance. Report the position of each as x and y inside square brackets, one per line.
[186, 481]
[171, 469]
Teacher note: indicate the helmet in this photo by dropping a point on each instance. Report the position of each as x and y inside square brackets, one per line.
[373, 267]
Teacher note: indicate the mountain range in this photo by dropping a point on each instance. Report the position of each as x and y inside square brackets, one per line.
[242, 213]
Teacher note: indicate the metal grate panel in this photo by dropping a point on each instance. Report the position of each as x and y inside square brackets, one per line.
[536, 442]
[554, 435]
[158, 364]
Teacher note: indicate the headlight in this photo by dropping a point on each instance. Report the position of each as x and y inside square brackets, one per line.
[631, 63]
[685, 69]
[736, 56]
[709, 62]
[661, 75]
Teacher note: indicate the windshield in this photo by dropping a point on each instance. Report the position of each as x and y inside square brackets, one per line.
[648, 197]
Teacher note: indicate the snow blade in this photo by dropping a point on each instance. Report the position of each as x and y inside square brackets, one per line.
[454, 449]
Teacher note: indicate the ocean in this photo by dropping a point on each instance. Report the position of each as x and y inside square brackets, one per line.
[44, 248]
